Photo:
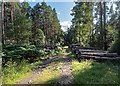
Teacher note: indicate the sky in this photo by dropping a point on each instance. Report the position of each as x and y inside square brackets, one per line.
[63, 11]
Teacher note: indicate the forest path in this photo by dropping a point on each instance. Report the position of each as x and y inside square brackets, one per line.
[38, 70]
[65, 70]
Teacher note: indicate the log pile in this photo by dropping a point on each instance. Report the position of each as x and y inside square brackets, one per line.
[93, 53]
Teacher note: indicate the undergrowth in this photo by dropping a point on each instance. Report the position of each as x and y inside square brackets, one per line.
[91, 72]
[14, 72]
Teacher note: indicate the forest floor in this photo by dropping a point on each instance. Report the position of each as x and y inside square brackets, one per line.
[65, 69]
[0, 71]
[56, 70]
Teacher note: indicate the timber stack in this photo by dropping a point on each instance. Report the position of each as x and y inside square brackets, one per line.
[93, 53]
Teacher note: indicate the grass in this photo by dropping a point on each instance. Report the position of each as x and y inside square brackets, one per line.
[65, 47]
[49, 74]
[63, 52]
[14, 73]
[85, 72]
[0, 71]
[91, 72]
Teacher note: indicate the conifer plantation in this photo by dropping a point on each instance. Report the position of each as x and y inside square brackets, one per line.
[35, 50]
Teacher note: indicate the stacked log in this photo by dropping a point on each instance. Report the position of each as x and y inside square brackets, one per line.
[93, 53]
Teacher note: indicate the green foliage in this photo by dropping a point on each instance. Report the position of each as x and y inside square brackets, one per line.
[15, 52]
[39, 37]
[1, 54]
[81, 28]
[29, 52]
[17, 23]
[45, 18]
[50, 74]
[20, 60]
[116, 46]
[59, 48]
[22, 28]
[90, 72]
[115, 23]
[25, 25]
[14, 72]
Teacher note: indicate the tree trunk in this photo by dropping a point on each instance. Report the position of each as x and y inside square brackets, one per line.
[101, 27]
[12, 16]
[105, 33]
[12, 11]
[2, 26]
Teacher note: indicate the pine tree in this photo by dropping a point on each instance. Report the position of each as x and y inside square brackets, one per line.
[3, 33]
[45, 18]
[55, 32]
[100, 29]
[0, 26]
[82, 13]
[115, 21]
